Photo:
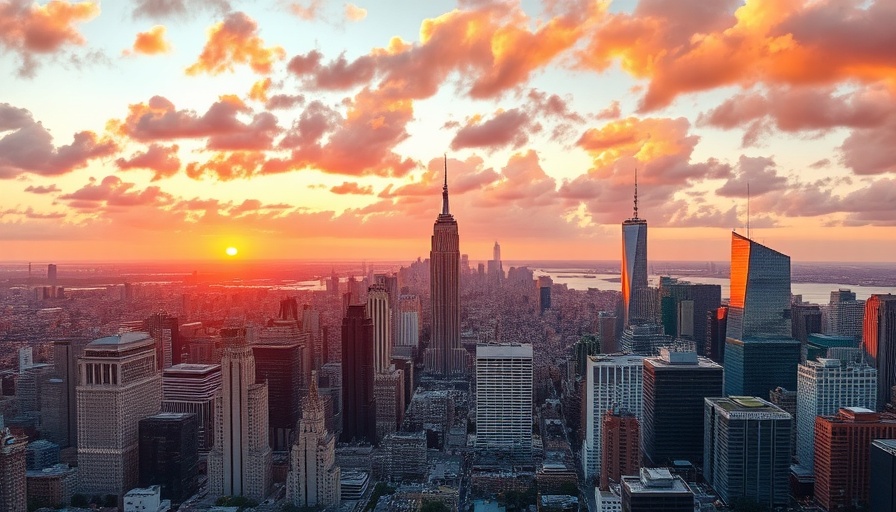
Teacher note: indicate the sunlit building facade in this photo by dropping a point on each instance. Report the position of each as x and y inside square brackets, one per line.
[879, 341]
[634, 268]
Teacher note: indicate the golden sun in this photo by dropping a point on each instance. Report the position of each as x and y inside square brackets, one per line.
[231, 251]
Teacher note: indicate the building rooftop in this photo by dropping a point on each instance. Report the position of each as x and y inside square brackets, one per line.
[191, 368]
[120, 340]
[685, 360]
[658, 480]
[50, 472]
[504, 351]
[748, 407]
[887, 445]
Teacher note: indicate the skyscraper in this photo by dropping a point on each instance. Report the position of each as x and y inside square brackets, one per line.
[842, 455]
[634, 264]
[191, 388]
[747, 450]
[118, 386]
[823, 387]
[281, 366]
[760, 291]
[445, 357]
[169, 455]
[879, 340]
[675, 385]
[620, 447]
[760, 354]
[13, 470]
[313, 478]
[495, 268]
[845, 314]
[358, 413]
[684, 309]
[410, 321]
[504, 400]
[380, 310]
[169, 347]
[612, 381]
[882, 497]
[240, 462]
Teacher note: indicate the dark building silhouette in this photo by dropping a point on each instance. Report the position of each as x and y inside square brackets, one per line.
[675, 386]
[169, 454]
[882, 497]
[169, 346]
[656, 490]
[879, 340]
[684, 309]
[51, 273]
[358, 413]
[280, 364]
[716, 332]
[805, 319]
[621, 447]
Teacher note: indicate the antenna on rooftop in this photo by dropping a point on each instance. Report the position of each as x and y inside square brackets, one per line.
[748, 210]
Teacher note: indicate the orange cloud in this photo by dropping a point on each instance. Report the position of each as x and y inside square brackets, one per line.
[306, 11]
[27, 28]
[259, 90]
[354, 13]
[692, 45]
[162, 160]
[151, 42]
[490, 44]
[350, 187]
[235, 41]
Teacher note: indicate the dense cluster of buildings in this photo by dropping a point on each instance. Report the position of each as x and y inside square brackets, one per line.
[448, 387]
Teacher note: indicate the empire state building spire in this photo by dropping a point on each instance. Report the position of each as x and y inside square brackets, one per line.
[445, 190]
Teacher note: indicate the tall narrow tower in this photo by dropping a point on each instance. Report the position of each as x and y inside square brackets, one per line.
[444, 357]
[240, 462]
[634, 264]
[313, 479]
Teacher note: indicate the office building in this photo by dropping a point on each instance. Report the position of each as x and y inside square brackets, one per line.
[445, 357]
[358, 409]
[820, 345]
[684, 309]
[879, 341]
[404, 456]
[495, 268]
[543, 288]
[146, 500]
[612, 381]
[756, 366]
[504, 401]
[786, 400]
[169, 454]
[716, 335]
[823, 387]
[119, 385]
[51, 272]
[805, 319]
[842, 456]
[634, 265]
[760, 291]
[380, 310]
[169, 346]
[620, 447]
[13, 469]
[656, 490]
[240, 461]
[644, 339]
[313, 478]
[410, 321]
[845, 314]
[51, 486]
[41, 454]
[388, 391]
[65, 368]
[191, 388]
[606, 332]
[675, 386]
[882, 497]
[747, 450]
[281, 365]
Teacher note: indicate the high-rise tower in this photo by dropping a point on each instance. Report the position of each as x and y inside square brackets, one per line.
[634, 264]
[879, 342]
[358, 412]
[379, 307]
[240, 462]
[313, 479]
[444, 355]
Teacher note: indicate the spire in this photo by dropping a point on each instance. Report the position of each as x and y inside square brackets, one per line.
[312, 401]
[445, 190]
[636, 194]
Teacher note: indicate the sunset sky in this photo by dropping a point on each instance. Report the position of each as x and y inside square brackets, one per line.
[310, 129]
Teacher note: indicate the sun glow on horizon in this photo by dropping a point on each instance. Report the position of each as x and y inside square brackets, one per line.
[231, 251]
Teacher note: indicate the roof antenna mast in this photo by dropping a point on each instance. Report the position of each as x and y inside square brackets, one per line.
[636, 193]
[748, 210]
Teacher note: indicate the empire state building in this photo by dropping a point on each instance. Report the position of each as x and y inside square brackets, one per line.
[444, 356]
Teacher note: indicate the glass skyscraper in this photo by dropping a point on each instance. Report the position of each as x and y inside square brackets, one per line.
[634, 267]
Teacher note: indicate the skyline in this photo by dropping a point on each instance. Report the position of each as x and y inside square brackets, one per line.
[150, 130]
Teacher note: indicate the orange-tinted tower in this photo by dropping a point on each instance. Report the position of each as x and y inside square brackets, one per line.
[621, 447]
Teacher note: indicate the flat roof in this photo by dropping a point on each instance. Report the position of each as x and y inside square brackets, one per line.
[504, 351]
[192, 368]
[124, 338]
[887, 445]
[674, 484]
[743, 407]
